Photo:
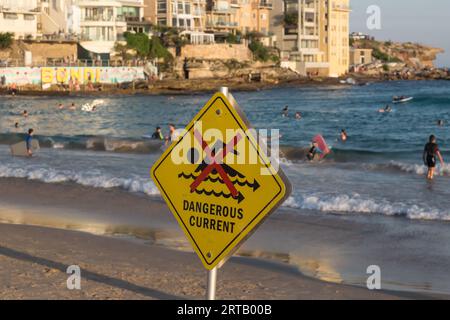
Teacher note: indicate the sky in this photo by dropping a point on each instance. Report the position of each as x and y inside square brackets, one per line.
[423, 21]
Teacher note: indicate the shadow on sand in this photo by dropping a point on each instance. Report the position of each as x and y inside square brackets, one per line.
[86, 274]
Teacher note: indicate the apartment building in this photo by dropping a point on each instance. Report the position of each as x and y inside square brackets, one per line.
[233, 16]
[186, 15]
[253, 16]
[312, 35]
[19, 17]
[93, 20]
[337, 41]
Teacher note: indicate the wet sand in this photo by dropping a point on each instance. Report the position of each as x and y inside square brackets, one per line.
[156, 263]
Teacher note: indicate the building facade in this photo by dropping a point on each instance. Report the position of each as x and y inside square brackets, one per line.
[20, 17]
[337, 42]
[238, 16]
[359, 56]
[186, 15]
[312, 35]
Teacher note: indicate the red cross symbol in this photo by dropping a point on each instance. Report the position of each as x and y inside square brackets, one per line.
[214, 162]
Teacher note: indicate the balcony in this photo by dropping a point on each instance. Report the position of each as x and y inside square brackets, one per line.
[222, 24]
[235, 3]
[265, 4]
[97, 18]
[136, 20]
[341, 8]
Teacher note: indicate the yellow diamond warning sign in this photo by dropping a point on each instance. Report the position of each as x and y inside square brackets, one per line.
[218, 180]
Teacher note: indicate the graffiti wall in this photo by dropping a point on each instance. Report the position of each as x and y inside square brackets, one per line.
[82, 75]
[21, 76]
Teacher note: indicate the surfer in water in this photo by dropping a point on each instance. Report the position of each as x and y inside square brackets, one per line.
[430, 152]
[386, 109]
[313, 151]
[28, 140]
[157, 135]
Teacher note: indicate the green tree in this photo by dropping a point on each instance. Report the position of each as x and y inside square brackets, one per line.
[157, 50]
[260, 52]
[139, 42]
[290, 19]
[6, 40]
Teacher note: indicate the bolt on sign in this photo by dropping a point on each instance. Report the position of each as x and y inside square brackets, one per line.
[218, 181]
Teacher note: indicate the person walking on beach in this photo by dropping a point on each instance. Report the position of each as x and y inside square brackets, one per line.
[157, 135]
[28, 140]
[430, 152]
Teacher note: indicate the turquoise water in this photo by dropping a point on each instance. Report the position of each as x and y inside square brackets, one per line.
[377, 171]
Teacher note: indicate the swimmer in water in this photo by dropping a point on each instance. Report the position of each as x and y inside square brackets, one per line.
[60, 106]
[25, 113]
[72, 106]
[285, 112]
[298, 116]
[344, 135]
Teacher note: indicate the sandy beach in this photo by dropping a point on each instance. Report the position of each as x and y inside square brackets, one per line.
[34, 259]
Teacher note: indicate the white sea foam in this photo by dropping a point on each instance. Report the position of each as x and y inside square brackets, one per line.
[86, 178]
[414, 168]
[356, 204]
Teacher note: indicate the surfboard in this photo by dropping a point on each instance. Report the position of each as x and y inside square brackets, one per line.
[407, 99]
[20, 149]
[322, 145]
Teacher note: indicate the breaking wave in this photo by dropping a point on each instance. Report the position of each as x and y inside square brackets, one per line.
[94, 143]
[411, 168]
[93, 178]
[346, 204]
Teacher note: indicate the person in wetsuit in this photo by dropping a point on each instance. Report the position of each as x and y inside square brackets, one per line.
[430, 152]
[28, 140]
[157, 135]
[312, 152]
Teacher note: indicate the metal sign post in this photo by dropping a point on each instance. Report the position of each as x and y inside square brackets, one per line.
[211, 286]
[212, 274]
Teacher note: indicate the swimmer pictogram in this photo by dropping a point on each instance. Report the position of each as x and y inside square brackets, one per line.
[213, 166]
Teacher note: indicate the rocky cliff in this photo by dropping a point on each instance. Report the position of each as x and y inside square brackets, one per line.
[414, 55]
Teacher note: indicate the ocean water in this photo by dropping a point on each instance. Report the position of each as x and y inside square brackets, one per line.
[378, 171]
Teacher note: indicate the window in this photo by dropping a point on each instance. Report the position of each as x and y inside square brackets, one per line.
[162, 7]
[29, 17]
[10, 16]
